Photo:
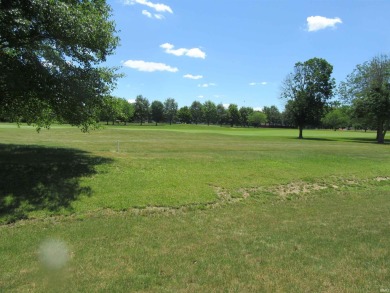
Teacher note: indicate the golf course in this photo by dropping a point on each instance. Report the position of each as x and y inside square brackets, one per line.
[193, 208]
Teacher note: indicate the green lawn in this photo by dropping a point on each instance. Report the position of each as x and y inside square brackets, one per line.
[194, 209]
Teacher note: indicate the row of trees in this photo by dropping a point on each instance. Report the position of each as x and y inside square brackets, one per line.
[118, 110]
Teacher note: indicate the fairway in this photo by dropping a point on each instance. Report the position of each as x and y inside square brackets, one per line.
[195, 209]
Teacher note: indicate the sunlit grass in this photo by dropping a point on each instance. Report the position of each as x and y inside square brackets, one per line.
[333, 239]
[180, 165]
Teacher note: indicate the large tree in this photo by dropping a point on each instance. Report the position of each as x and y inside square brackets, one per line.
[50, 53]
[157, 110]
[273, 115]
[367, 89]
[307, 90]
[245, 112]
[210, 112]
[170, 109]
[141, 109]
[127, 111]
[196, 110]
[222, 115]
[233, 115]
[256, 118]
[336, 118]
[184, 115]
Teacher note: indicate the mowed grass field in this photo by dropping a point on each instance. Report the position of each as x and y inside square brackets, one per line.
[193, 209]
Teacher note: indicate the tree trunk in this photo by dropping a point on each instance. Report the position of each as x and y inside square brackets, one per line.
[300, 131]
[381, 132]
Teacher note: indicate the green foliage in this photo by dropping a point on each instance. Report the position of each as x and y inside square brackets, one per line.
[196, 110]
[116, 109]
[49, 57]
[233, 115]
[245, 112]
[273, 115]
[257, 118]
[307, 90]
[170, 109]
[336, 118]
[184, 115]
[157, 110]
[141, 109]
[210, 112]
[222, 115]
[367, 89]
[128, 110]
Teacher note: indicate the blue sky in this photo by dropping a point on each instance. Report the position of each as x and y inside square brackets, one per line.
[239, 51]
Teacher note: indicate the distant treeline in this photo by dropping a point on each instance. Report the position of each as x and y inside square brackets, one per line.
[120, 111]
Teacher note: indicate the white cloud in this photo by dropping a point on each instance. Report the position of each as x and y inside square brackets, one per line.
[315, 23]
[206, 84]
[150, 15]
[258, 109]
[190, 76]
[156, 6]
[226, 105]
[159, 16]
[147, 13]
[258, 83]
[200, 97]
[194, 52]
[131, 101]
[141, 65]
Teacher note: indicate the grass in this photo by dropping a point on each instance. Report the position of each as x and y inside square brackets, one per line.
[305, 215]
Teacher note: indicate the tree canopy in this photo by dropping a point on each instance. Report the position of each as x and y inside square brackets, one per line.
[141, 109]
[307, 90]
[157, 111]
[367, 89]
[49, 57]
[170, 109]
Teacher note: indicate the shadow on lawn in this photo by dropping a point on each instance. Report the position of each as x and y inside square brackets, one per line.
[345, 139]
[34, 178]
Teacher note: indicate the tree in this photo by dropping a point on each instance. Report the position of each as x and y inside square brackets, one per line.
[307, 90]
[127, 111]
[221, 114]
[210, 112]
[170, 109]
[233, 115]
[141, 109]
[50, 53]
[244, 115]
[273, 115]
[157, 109]
[367, 88]
[256, 118]
[111, 110]
[336, 118]
[196, 112]
[184, 115]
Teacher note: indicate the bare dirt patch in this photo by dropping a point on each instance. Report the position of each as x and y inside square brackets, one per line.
[296, 188]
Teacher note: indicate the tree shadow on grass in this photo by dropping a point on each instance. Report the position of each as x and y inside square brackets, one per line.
[340, 139]
[34, 178]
